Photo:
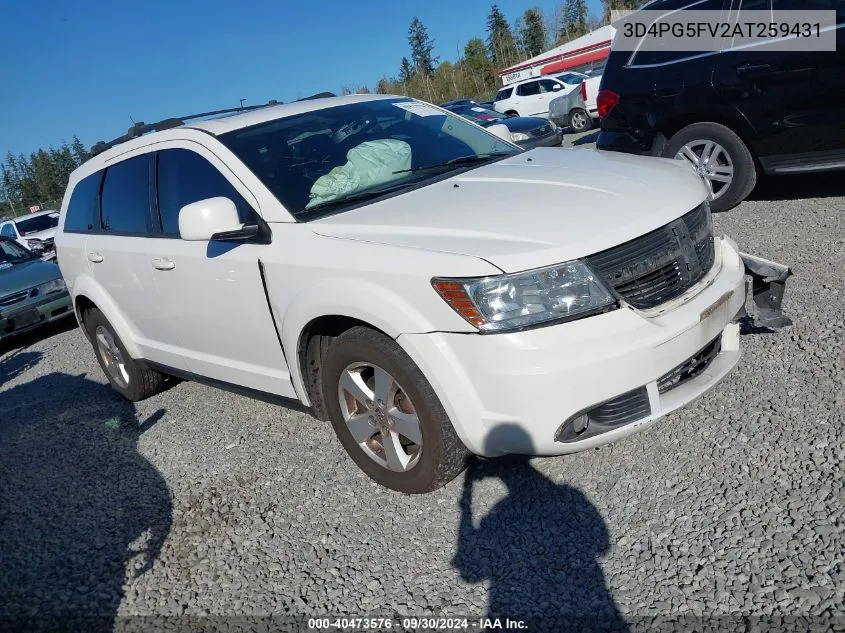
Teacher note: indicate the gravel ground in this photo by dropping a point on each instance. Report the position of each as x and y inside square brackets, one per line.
[199, 502]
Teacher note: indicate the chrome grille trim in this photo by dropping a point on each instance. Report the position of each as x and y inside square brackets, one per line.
[661, 265]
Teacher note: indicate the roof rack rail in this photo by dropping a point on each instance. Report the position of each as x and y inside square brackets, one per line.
[141, 128]
[319, 95]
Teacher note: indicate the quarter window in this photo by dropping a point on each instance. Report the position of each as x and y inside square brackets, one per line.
[8, 230]
[126, 197]
[185, 177]
[503, 94]
[82, 208]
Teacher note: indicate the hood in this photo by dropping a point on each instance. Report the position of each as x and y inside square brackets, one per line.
[534, 209]
[524, 123]
[26, 275]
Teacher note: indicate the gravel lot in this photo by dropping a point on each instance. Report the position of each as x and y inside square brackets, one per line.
[199, 502]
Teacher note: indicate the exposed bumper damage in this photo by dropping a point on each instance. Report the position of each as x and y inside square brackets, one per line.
[766, 288]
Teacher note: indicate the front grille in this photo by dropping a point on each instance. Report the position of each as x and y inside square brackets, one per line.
[17, 297]
[661, 265]
[690, 368]
[541, 131]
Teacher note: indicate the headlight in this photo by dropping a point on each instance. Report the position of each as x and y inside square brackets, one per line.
[506, 302]
[56, 285]
[35, 245]
[519, 136]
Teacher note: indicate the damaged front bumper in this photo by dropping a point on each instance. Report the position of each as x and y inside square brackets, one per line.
[766, 287]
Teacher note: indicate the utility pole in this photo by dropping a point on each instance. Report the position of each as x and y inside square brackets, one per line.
[242, 103]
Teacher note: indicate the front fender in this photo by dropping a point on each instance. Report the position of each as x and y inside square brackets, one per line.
[359, 299]
[86, 286]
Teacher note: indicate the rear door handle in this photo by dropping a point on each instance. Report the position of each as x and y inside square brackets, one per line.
[95, 257]
[162, 263]
[752, 68]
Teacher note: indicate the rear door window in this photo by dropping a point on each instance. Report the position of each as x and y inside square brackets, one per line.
[82, 210]
[503, 94]
[528, 90]
[185, 177]
[125, 204]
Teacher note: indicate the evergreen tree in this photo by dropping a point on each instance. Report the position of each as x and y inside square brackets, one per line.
[405, 71]
[80, 154]
[421, 48]
[533, 32]
[574, 19]
[500, 40]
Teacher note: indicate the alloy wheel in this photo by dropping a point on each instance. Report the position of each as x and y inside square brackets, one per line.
[112, 357]
[711, 162]
[380, 416]
[578, 121]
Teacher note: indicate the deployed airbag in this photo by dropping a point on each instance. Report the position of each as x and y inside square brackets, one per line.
[369, 164]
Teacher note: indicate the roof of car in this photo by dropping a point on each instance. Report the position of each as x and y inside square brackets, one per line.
[34, 214]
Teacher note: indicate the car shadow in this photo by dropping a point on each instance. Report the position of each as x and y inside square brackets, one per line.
[34, 335]
[17, 363]
[798, 186]
[81, 510]
[588, 139]
[538, 548]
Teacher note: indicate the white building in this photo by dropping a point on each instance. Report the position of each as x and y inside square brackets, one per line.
[584, 53]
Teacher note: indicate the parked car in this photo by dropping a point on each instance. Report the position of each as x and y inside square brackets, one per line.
[531, 97]
[32, 292]
[527, 132]
[408, 276]
[732, 114]
[36, 231]
[577, 109]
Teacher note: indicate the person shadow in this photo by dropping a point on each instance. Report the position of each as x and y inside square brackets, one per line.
[82, 512]
[538, 547]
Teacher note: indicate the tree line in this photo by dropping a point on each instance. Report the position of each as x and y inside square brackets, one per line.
[39, 179]
[474, 75]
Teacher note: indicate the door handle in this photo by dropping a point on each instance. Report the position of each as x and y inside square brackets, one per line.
[95, 257]
[752, 68]
[162, 263]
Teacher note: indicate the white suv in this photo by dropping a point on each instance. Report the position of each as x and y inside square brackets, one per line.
[407, 275]
[531, 97]
[36, 231]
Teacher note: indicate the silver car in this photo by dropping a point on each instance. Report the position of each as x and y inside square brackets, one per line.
[570, 111]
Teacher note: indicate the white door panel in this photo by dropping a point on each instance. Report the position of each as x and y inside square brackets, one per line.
[221, 323]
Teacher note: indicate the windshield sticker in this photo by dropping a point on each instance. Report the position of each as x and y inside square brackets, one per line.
[421, 109]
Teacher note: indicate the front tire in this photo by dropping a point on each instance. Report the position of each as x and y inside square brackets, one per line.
[720, 158]
[127, 376]
[386, 414]
[579, 120]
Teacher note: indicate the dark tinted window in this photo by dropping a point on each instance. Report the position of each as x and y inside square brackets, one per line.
[126, 197]
[530, 89]
[503, 94]
[185, 177]
[82, 208]
[547, 85]
[571, 78]
[8, 230]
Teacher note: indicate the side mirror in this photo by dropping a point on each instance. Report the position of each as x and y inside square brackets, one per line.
[556, 88]
[213, 219]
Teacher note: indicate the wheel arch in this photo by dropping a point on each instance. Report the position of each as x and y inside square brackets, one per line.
[734, 120]
[87, 294]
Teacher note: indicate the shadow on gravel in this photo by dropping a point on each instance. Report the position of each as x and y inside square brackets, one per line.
[38, 334]
[798, 186]
[538, 547]
[81, 511]
[586, 140]
[16, 364]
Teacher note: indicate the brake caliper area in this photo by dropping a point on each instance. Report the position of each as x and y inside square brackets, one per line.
[768, 282]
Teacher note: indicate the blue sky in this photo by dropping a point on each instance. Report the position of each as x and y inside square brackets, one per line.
[83, 67]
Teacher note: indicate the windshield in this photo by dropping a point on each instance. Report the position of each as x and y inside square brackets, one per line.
[325, 156]
[36, 224]
[12, 253]
[571, 78]
[477, 114]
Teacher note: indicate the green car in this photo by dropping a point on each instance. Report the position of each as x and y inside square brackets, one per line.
[32, 291]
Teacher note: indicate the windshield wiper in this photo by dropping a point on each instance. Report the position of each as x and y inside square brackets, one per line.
[460, 160]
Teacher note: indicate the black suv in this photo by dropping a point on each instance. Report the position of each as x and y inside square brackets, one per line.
[732, 114]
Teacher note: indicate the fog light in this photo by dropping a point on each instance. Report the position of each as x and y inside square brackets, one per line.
[580, 424]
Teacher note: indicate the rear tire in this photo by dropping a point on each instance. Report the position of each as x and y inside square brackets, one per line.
[730, 157]
[579, 120]
[511, 113]
[374, 394]
[130, 378]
